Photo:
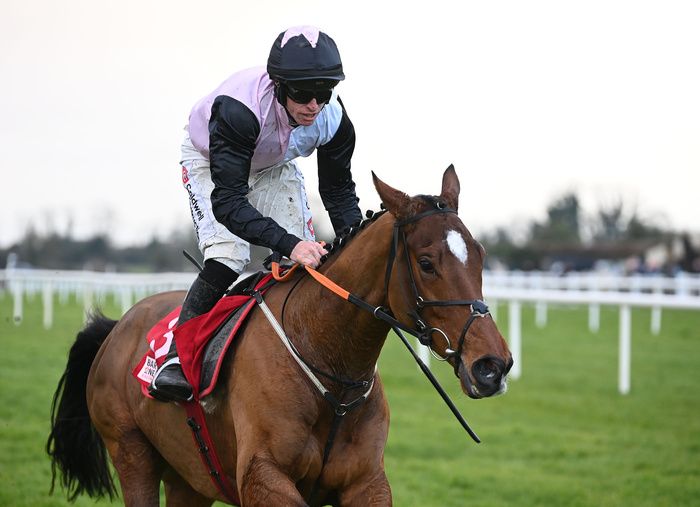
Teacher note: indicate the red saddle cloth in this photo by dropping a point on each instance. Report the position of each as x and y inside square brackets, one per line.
[191, 339]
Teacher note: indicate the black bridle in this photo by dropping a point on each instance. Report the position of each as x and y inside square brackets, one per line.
[424, 330]
[421, 330]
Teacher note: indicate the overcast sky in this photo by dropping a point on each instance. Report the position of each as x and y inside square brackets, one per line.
[529, 100]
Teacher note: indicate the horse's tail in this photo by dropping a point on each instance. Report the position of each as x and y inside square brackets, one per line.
[74, 445]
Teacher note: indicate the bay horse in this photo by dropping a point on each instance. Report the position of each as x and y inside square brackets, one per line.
[416, 261]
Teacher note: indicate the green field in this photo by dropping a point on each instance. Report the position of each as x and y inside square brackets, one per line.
[561, 436]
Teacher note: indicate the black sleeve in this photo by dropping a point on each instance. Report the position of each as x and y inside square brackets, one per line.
[335, 184]
[233, 131]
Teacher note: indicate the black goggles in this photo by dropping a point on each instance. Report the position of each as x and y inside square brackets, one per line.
[301, 96]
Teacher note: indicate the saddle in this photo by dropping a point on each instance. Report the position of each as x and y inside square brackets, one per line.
[202, 342]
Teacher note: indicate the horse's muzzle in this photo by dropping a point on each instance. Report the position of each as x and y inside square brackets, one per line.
[486, 378]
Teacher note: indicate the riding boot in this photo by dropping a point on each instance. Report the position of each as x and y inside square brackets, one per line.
[169, 382]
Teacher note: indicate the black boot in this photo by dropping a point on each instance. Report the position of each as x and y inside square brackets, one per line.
[169, 382]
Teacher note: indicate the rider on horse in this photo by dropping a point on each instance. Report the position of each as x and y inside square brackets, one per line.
[243, 183]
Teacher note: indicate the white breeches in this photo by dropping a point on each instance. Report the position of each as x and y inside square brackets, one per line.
[277, 192]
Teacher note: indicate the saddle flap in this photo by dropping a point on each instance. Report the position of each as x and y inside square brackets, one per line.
[215, 349]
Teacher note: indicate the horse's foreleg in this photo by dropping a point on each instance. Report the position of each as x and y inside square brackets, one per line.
[263, 483]
[373, 492]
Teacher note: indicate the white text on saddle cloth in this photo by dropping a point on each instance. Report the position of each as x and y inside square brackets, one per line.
[159, 347]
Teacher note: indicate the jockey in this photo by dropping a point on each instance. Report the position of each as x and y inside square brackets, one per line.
[241, 178]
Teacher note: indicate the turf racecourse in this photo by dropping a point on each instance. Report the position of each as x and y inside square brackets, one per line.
[561, 436]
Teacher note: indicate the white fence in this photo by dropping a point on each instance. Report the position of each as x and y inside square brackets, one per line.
[592, 289]
[594, 299]
[87, 286]
[681, 283]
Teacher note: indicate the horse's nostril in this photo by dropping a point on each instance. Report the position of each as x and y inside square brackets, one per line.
[488, 370]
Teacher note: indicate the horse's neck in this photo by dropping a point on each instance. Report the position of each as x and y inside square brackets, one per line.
[345, 338]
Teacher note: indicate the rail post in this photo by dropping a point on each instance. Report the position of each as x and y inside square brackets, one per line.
[47, 293]
[514, 335]
[594, 317]
[18, 295]
[625, 358]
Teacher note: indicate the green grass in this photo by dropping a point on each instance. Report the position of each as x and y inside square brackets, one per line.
[562, 435]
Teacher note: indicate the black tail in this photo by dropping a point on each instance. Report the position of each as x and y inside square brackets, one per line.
[74, 445]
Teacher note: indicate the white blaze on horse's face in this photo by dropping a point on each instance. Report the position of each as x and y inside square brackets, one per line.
[457, 246]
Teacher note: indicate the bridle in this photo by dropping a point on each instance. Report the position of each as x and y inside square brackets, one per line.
[423, 331]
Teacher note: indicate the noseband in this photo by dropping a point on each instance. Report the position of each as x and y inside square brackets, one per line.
[424, 330]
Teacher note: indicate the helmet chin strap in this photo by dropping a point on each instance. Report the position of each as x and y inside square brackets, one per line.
[281, 96]
[281, 93]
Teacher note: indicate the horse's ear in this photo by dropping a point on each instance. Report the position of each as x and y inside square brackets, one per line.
[450, 187]
[397, 202]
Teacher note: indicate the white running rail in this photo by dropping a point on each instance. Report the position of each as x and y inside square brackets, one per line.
[515, 288]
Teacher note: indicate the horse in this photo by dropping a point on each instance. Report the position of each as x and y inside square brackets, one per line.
[415, 261]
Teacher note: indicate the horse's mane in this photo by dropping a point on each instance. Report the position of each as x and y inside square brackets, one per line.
[371, 216]
[350, 232]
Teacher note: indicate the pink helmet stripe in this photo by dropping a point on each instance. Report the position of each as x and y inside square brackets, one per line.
[309, 32]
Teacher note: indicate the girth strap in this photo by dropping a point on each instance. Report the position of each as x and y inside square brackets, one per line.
[197, 422]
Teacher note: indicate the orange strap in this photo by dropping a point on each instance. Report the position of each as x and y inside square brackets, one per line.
[281, 277]
[327, 283]
[322, 279]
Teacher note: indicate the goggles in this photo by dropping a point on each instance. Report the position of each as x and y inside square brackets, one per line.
[301, 96]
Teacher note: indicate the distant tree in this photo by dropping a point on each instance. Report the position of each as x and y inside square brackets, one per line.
[562, 224]
[614, 223]
[537, 243]
[57, 251]
[609, 223]
[503, 250]
[499, 247]
[559, 237]
[638, 228]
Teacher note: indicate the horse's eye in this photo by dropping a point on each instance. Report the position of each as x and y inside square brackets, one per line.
[426, 266]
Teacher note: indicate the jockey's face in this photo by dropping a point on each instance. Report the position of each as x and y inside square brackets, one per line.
[304, 114]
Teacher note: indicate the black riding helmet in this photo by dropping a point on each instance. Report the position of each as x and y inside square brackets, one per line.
[305, 58]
